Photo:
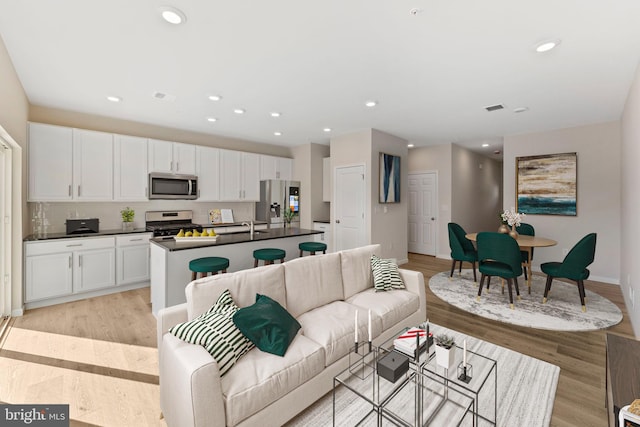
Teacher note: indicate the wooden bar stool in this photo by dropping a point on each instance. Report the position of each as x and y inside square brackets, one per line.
[268, 255]
[312, 247]
[207, 265]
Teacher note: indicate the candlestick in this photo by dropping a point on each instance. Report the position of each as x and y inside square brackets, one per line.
[464, 356]
[356, 328]
[417, 356]
[369, 327]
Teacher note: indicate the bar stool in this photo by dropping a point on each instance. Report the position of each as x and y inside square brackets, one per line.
[207, 265]
[268, 255]
[312, 247]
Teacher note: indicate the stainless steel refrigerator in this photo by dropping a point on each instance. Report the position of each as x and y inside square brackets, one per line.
[276, 196]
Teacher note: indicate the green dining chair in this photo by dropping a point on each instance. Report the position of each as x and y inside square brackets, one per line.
[462, 249]
[527, 230]
[499, 255]
[573, 267]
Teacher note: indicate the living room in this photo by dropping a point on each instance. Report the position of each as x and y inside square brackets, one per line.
[606, 146]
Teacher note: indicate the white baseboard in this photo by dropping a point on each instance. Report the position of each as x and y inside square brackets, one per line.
[18, 312]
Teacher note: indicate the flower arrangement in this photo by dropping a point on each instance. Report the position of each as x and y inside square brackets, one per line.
[512, 217]
[288, 215]
[127, 214]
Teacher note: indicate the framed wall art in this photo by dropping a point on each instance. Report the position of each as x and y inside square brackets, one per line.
[389, 178]
[547, 184]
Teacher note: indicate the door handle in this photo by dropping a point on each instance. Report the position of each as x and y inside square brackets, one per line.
[433, 219]
[337, 221]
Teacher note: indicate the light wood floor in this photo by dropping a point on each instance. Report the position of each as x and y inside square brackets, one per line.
[99, 355]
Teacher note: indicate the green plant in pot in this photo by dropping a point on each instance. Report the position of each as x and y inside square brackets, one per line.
[445, 350]
[288, 216]
[127, 215]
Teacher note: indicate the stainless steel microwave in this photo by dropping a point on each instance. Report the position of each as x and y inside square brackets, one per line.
[172, 186]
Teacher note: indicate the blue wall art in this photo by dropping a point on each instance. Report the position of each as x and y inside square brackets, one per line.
[389, 178]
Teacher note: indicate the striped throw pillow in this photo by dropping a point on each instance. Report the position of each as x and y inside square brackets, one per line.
[216, 332]
[385, 274]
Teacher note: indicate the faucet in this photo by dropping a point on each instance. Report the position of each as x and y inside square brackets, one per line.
[251, 227]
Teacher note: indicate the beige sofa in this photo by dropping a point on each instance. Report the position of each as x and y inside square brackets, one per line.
[322, 292]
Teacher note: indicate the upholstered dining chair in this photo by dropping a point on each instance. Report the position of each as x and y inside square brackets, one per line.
[499, 255]
[527, 230]
[573, 267]
[462, 249]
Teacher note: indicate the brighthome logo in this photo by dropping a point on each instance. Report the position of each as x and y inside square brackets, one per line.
[34, 415]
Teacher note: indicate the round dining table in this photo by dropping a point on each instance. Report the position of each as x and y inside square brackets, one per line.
[526, 243]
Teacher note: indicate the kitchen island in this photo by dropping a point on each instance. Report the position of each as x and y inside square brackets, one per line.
[170, 272]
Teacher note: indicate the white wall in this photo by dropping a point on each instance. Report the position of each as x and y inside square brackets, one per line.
[630, 277]
[599, 196]
[308, 170]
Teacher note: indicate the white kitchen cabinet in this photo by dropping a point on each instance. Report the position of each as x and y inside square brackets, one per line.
[171, 157]
[132, 258]
[324, 238]
[92, 165]
[208, 171]
[326, 179]
[130, 177]
[239, 176]
[50, 163]
[69, 164]
[68, 266]
[272, 167]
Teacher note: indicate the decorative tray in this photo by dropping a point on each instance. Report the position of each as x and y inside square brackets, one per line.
[192, 239]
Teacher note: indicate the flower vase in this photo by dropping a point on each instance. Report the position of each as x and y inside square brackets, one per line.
[503, 229]
[513, 233]
[445, 356]
[127, 226]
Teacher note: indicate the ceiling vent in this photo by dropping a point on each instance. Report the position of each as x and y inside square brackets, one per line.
[163, 96]
[496, 107]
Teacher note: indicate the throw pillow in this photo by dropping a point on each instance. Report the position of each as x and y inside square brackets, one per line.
[268, 325]
[385, 274]
[216, 332]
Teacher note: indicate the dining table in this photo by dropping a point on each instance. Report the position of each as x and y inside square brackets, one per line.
[526, 243]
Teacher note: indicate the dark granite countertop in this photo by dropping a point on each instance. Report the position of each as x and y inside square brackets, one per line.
[53, 236]
[233, 238]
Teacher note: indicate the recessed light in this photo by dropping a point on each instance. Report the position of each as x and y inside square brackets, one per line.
[485, 145]
[114, 98]
[546, 45]
[277, 133]
[212, 119]
[327, 129]
[172, 15]
[215, 97]
[410, 145]
[371, 103]
[275, 114]
[239, 111]
[520, 109]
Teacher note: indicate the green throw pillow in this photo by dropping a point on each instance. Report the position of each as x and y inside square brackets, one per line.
[215, 331]
[385, 274]
[268, 325]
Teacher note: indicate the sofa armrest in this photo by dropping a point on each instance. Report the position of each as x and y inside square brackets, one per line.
[414, 282]
[169, 317]
[190, 388]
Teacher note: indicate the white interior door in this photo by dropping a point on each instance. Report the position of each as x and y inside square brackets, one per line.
[349, 207]
[423, 202]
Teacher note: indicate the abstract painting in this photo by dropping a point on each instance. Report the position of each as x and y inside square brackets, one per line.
[547, 185]
[389, 178]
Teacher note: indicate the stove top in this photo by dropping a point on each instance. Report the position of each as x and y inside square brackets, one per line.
[169, 223]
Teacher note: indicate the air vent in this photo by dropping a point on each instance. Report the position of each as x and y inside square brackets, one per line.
[163, 96]
[496, 107]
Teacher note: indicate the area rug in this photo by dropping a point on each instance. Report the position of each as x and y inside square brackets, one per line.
[526, 389]
[562, 312]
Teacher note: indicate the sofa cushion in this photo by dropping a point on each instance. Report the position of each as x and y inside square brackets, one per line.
[356, 269]
[267, 325]
[243, 285]
[391, 306]
[332, 326]
[216, 332]
[385, 274]
[261, 378]
[311, 282]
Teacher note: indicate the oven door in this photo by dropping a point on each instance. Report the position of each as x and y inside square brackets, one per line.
[170, 186]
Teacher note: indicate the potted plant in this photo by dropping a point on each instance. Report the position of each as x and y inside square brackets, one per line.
[445, 350]
[288, 216]
[127, 218]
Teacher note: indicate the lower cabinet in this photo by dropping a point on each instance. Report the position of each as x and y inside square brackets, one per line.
[324, 238]
[63, 269]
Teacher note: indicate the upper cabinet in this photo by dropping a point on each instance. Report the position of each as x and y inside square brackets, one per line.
[69, 164]
[239, 176]
[172, 157]
[272, 167]
[130, 176]
[208, 171]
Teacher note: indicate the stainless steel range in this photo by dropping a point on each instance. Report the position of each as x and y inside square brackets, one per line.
[169, 223]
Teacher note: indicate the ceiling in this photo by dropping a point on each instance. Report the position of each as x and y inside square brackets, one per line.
[432, 66]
